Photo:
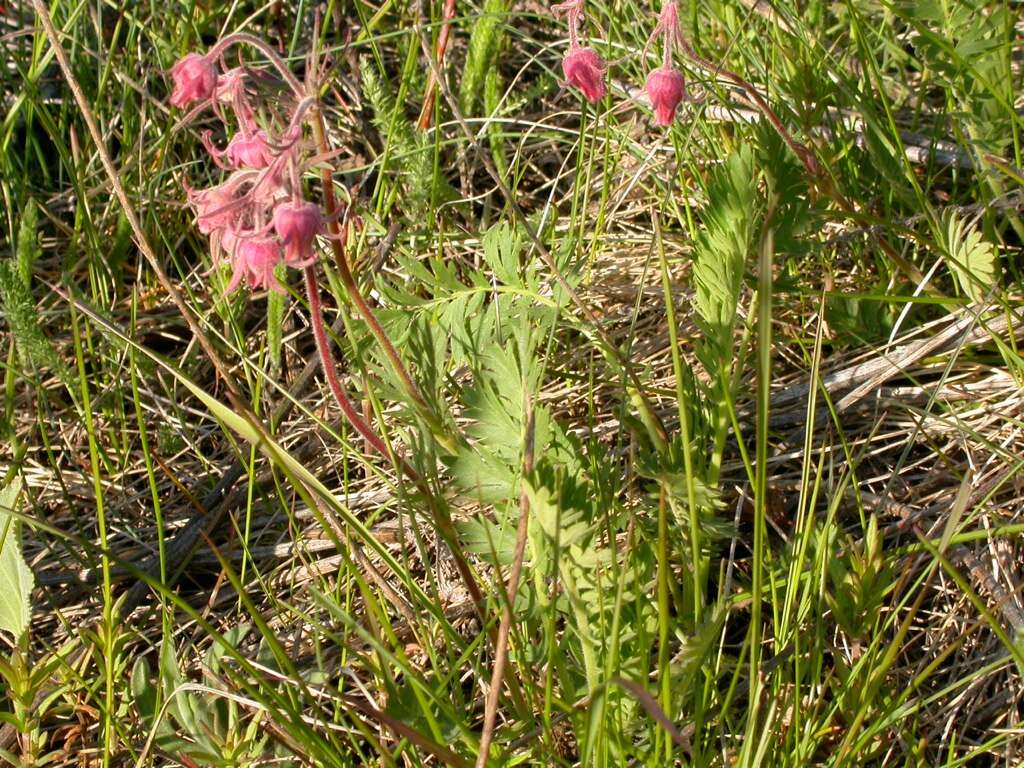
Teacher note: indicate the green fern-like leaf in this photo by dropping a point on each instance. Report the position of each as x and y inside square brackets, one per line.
[722, 248]
[501, 252]
[972, 260]
[22, 317]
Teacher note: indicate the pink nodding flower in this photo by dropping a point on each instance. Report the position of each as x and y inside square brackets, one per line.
[245, 150]
[250, 151]
[215, 207]
[297, 224]
[195, 79]
[255, 259]
[666, 87]
[584, 69]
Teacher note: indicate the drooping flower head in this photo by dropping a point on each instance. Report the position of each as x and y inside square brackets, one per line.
[245, 150]
[257, 216]
[666, 87]
[584, 69]
[214, 207]
[195, 79]
[249, 151]
[255, 259]
[297, 223]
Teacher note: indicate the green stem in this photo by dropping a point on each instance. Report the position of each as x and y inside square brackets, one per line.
[107, 625]
[684, 426]
[764, 372]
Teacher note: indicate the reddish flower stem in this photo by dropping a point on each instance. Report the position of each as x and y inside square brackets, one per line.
[804, 154]
[442, 518]
[440, 512]
[323, 347]
[263, 47]
[359, 301]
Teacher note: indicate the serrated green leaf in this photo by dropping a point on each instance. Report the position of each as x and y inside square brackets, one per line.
[483, 475]
[972, 260]
[501, 252]
[484, 538]
[16, 579]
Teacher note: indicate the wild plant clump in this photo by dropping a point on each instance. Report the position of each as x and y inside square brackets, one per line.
[260, 217]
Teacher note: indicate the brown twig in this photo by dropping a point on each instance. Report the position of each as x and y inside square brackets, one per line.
[501, 648]
[427, 112]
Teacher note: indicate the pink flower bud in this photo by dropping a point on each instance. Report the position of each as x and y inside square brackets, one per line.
[297, 224]
[666, 87]
[584, 68]
[255, 259]
[195, 79]
[252, 151]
